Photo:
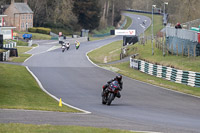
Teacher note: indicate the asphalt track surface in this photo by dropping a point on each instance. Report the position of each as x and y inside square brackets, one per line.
[78, 82]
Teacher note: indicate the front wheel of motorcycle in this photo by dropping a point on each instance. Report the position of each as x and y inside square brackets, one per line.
[110, 98]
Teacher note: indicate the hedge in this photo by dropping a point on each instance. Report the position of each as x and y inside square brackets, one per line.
[40, 30]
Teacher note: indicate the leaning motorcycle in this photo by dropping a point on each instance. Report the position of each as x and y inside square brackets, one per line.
[63, 47]
[110, 93]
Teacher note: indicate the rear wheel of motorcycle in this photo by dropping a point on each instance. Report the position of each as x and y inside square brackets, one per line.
[103, 100]
[110, 98]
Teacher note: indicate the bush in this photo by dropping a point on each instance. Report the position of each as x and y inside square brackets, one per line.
[33, 30]
[40, 30]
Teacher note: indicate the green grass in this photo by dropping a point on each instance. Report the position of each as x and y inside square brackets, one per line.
[145, 53]
[64, 31]
[35, 36]
[21, 43]
[98, 56]
[38, 36]
[128, 23]
[28, 128]
[103, 31]
[22, 56]
[179, 62]
[111, 51]
[19, 90]
[2, 50]
[124, 68]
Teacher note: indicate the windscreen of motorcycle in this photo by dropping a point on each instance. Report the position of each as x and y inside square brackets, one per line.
[115, 84]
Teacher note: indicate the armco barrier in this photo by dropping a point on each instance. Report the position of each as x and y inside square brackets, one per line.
[10, 45]
[141, 11]
[6, 55]
[179, 76]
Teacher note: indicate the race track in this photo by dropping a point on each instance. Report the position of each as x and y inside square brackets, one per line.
[72, 77]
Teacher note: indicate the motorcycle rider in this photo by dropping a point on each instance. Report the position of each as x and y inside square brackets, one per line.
[67, 45]
[77, 44]
[118, 78]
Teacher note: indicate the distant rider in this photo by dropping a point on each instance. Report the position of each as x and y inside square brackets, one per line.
[118, 78]
[77, 43]
[67, 45]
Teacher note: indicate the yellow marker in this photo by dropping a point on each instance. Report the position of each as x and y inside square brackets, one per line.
[60, 103]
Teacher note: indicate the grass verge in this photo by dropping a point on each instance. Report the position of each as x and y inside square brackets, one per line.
[22, 56]
[124, 68]
[28, 128]
[35, 36]
[106, 53]
[145, 53]
[128, 23]
[179, 62]
[19, 90]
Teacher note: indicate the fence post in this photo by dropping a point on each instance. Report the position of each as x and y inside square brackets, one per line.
[194, 51]
[172, 49]
[177, 49]
[156, 42]
[163, 43]
[188, 51]
[182, 50]
[168, 49]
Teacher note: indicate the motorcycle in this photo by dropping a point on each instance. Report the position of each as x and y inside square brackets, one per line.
[63, 47]
[110, 93]
[67, 45]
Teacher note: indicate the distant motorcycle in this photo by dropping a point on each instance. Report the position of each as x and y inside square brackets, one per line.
[63, 47]
[67, 45]
[110, 93]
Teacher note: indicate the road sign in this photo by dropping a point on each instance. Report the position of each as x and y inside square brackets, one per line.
[123, 32]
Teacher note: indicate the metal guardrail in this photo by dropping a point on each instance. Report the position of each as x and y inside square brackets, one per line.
[10, 45]
[179, 76]
[141, 11]
[6, 55]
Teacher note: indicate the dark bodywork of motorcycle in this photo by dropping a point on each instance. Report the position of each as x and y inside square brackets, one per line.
[110, 93]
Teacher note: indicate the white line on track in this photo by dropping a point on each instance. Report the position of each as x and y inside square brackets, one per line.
[57, 99]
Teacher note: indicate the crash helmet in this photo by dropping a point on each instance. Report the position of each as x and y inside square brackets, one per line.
[178, 24]
[119, 77]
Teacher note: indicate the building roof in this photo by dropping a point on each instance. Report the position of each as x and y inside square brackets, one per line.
[23, 8]
[2, 15]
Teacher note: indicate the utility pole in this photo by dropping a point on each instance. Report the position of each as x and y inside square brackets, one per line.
[153, 6]
[165, 3]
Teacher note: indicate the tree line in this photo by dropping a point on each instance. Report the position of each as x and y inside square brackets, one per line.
[75, 14]
[91, 14]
